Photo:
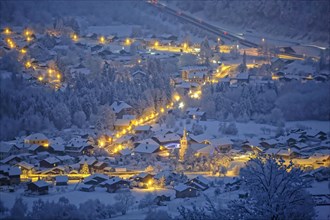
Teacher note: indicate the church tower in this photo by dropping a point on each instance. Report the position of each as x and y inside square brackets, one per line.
[183, 146]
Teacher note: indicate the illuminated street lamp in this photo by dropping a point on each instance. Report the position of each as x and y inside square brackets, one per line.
[128, 41]
[23, 51]
[74, 37]
[28, 64]
[156, 44]
[177, 97]
[185, 46]
[102, 40]
[7, 31]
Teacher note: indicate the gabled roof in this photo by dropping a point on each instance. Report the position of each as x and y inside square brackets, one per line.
[182, 187]
[51, 160]
[148, 141]
[36, 136]
[57, 144]
[6, 147]
[167, 137]
[220, 141]
[202, 179]
[122, 122]
[14, 171]
[78, 142]
[118, 106]
[40, 183]
[113, 180]
[25, 165]
[146, 148]
[125, 152]
[143, 128]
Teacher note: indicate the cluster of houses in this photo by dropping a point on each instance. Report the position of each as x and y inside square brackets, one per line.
[308, 149]
[288, 70]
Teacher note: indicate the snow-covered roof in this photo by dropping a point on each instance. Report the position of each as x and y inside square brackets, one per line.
[122, 122]
[6, 147]
[96, 175]
[14, 171]
[40, 183]
[167, 137]
[202, 179]
[61, 179]
[181, 187]
[197, 113]
[196, 75]
[143, 128]
[131, 117]
[118, 106]
[89, 160]
[51, 160]
[201, 138]
[148, 141]
[36, 136]
[209, 149]
[113, 180]
[25, 165]
[57, 143]
[34, 147]
[221, 141]
[77, 142]
[192, 109]
[125, 152]
[146, 148]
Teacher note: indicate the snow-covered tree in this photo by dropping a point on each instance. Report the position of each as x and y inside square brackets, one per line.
[79, 119]
[206, 52]
[276, 191]
[124, 200]
[61, 116]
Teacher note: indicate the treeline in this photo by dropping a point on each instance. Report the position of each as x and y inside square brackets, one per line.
[269, 103]
[27, 108]
[290, 18]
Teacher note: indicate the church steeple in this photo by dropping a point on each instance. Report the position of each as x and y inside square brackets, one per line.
[183, 145]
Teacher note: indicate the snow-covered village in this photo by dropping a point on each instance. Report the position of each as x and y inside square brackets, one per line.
[185, 110]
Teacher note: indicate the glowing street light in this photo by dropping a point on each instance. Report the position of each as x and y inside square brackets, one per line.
[102, 40]
[40, 78]
[128, 41]
[7, 31]
[23, 51]
[181, 105]
[162, 110]
[185, 46]
[28, 32]
[74, 37]
[156, 44]
[28, 64]
[177, 97]
[263, 39]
